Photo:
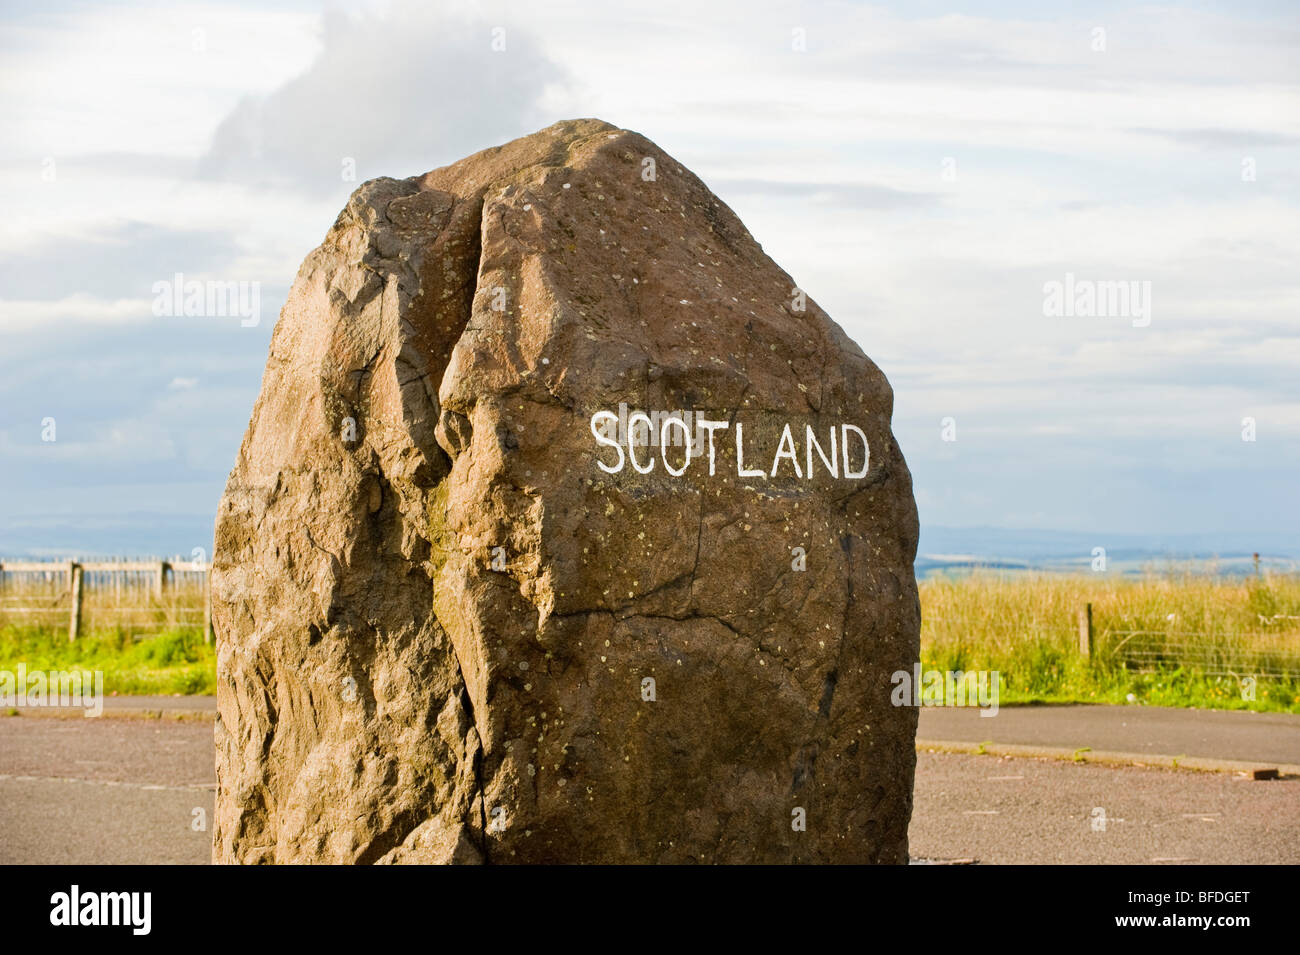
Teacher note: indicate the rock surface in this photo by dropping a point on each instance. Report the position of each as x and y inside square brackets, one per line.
[450, 629]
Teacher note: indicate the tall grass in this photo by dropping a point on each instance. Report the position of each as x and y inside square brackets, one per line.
[143, 644]
[1201, 636]
[174, 661]
[1199, 628]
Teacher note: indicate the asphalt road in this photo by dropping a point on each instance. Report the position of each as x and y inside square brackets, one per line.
[105, 791]
[1002, 810]
[207, 704]
[126, 790]
[1266, 738]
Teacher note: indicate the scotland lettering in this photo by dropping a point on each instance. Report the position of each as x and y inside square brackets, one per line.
[646, 443]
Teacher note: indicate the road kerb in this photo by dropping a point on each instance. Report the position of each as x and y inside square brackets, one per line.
[1104, 757]
[114, 712]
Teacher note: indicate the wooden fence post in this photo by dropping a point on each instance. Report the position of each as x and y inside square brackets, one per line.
[76, 573]
[1085, 630]
[207, 605]
[160, 580]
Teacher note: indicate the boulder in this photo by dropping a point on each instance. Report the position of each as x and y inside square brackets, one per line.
[565, 529]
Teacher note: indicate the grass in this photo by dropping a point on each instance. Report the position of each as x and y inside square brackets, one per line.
[144, 645]
[1197, 629]
[1021, 625]
[174, 661]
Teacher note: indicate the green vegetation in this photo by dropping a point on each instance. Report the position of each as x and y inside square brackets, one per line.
[144, 641]
[1196, 636]
[174, 661]
[1165, 640]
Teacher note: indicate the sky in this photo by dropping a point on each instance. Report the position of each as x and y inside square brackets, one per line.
[928, 172]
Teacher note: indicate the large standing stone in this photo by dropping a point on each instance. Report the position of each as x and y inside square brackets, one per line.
[456, 623]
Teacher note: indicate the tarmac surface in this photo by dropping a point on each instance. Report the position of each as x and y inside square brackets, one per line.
[105, 791]
[1016, 810]
[140, 790]
[1269, 739]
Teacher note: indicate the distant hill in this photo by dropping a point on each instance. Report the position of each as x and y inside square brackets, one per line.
[941, 548]
[957, 549]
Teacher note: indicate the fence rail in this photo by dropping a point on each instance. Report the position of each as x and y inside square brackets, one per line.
[113, 566]
[157, 587]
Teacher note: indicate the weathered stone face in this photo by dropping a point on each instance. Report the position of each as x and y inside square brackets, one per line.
[466, 610]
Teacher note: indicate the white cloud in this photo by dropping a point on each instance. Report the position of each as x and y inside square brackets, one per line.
[130, 78]
[1125, 164]
[391, 94]
[56, 315]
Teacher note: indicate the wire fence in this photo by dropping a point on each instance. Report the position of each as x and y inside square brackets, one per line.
[140, 596]
[1214, 654]
[147, 596]
[1261, 656]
